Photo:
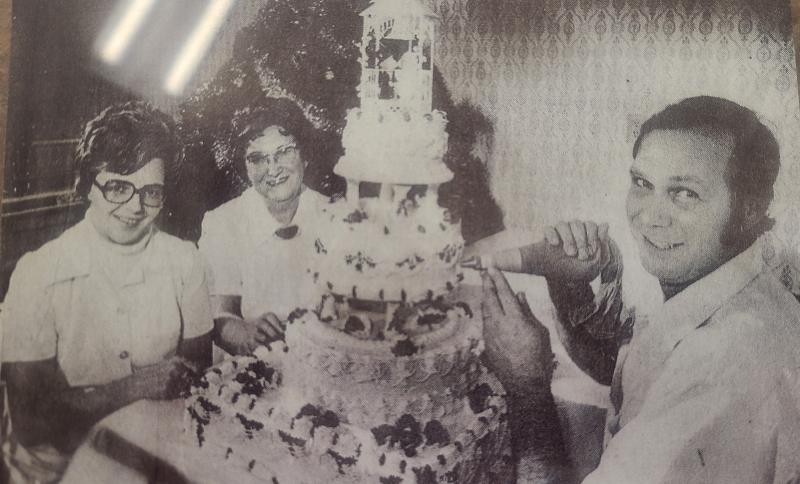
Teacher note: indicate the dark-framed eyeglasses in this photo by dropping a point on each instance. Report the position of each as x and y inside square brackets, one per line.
[284, 156]
[121, 191]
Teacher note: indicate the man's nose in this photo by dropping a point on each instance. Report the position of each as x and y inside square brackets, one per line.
[655, 212]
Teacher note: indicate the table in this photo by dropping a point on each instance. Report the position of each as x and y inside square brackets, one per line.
[144, 442]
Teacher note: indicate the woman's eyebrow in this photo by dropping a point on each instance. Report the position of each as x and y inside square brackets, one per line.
[285, 146]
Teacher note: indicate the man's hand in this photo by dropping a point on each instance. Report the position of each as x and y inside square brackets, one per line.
[584, 241]
[517, 344]
[242, 337]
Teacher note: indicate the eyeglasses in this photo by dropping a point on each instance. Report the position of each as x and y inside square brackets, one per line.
[121, 191]
[284, 156]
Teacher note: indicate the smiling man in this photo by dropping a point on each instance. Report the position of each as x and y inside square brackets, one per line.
[705, 389]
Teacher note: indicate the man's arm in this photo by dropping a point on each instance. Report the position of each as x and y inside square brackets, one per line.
[537, 439]
[518, 353]
[591, 326]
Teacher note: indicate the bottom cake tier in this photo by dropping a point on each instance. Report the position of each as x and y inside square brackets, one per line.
[243, 415]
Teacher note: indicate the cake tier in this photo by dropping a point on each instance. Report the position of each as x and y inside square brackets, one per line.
[373, 382]
[380, 321]
[384, 251]
[272, 436]
[394, 147]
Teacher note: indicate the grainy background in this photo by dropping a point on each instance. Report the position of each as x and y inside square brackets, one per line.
[5, 46]
[493, 58]
[5, 51]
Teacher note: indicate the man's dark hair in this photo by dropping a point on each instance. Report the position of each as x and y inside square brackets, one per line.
[753, 167]
[124, 138]
[282, 113]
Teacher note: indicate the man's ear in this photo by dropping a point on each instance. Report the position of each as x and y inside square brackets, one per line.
[752, 214]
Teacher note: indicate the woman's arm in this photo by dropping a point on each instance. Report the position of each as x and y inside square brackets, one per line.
[45, 409]
[197, 351]
[238, 336]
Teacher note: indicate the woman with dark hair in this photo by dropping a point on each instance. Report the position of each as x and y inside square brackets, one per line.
[254, 244]
[110, 312]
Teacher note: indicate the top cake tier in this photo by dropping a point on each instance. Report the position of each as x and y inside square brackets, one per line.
[395, 147]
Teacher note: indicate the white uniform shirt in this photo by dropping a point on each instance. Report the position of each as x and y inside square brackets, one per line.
[246, 258]
[61, 303]
[710, 385]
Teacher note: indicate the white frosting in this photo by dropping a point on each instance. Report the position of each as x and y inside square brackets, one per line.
[340, 377]
[383, 381]
[388, 256]
[368, 385]
[308, 452]
[394, 147]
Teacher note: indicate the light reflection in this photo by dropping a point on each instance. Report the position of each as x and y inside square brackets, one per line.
[123, 33]
[196, 46]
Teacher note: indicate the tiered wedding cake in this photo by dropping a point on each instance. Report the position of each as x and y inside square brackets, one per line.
[381, 382]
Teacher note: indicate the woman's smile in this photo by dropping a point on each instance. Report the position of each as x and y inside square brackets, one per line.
[274, 165]
[129, 221]
[275, 181]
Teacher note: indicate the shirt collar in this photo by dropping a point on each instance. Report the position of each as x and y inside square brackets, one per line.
[692, 307]
[262, 224]
[80, 246]
[75, 242]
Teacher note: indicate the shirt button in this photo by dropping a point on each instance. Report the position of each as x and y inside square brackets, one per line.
[124, 355]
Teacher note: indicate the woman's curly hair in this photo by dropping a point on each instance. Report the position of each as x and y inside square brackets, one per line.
[122, 139]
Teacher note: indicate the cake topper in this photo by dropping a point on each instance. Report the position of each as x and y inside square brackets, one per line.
[397, 56]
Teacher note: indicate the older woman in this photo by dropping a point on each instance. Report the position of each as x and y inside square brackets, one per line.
[110, 312]
[256, 244]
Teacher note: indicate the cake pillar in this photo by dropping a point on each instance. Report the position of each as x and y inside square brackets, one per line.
[387, 193]
[401, 191]
[391, 309]
[432, 195]
[352, 194]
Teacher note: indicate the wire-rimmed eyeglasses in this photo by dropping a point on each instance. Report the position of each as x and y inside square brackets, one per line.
[284, 156]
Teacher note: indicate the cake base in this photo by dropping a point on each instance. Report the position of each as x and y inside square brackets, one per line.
[434, 416]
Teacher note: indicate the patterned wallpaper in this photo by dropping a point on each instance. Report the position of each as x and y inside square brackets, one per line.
[569, 82]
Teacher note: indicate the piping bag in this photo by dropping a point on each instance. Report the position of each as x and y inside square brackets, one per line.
[542, 259]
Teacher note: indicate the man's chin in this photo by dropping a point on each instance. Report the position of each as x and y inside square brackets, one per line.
[663, 270]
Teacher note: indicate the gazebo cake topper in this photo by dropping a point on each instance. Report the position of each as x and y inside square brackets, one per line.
[397, 55]
[395, 138]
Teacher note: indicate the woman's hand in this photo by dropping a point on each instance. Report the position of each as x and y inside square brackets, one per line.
[584, 241]
[242, 337]
[517, 344]
[161, 381]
